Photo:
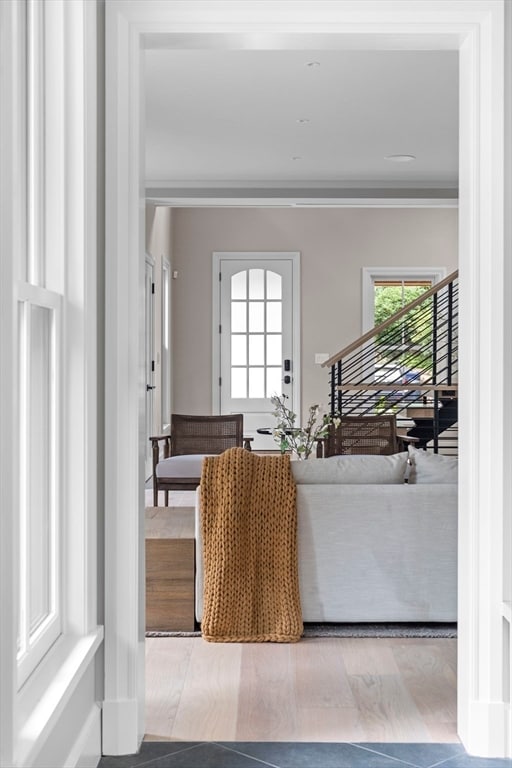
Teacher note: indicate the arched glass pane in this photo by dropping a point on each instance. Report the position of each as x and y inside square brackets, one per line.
[239, 285]
[274, 286]
[256, 283]
[239, 382]
[257, 349]
[274, 349]
[256, 382]
[274, 381]
[238, 316]
[274, 317]
[239, 349]
[256, 317]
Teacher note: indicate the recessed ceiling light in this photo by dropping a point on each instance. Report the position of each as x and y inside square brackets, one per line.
[313, 64]
[400, 158]
[296, 157]
[302, 120]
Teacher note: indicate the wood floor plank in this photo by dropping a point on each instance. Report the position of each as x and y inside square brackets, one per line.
[320, 674]
[387, 712]
[335, 724]
[166, 669]
[267, 700]
[443, 733]
[368, 656]
[430, 680]
[209, 698]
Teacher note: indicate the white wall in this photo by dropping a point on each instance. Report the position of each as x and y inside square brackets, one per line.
[334, 245]
[159, 230]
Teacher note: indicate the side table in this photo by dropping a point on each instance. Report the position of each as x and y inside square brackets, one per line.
[170, 568]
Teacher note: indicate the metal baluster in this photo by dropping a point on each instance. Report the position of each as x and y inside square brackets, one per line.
[450, 332]
[340, 393]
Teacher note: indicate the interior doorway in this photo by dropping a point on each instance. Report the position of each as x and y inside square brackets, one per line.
[474, 476]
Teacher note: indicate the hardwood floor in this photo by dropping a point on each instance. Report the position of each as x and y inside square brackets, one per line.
[320, 689]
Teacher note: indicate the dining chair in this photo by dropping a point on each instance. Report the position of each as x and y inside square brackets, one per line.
[192, 438]
[363, 435]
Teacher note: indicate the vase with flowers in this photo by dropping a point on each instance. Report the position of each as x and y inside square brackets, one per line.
[298, 440]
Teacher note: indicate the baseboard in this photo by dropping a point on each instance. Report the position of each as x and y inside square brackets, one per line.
[120, 727]
[86, 751]
[488, 732]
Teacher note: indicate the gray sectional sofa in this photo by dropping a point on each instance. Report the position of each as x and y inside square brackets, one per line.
[371, 546]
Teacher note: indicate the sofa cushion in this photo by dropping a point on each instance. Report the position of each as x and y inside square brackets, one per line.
[426, 467]
[353, 470]
[189, 465]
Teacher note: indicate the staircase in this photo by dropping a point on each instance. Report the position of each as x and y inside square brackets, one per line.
[407, 365]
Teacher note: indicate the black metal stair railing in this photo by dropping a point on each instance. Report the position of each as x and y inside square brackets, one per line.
[407, 365]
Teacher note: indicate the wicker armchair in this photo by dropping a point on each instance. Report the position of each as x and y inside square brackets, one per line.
[364, 435]
[191, 438]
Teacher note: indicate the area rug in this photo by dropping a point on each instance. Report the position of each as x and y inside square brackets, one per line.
[434, 629]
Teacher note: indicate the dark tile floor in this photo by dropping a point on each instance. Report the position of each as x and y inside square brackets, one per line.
[232, 754]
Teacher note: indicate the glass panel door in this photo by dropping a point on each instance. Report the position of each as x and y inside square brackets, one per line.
[256, 338]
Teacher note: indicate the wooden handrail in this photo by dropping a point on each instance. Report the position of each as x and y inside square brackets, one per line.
[379, 328]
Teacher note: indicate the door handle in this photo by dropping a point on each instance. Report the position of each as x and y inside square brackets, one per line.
[287, 379]
[148, 387]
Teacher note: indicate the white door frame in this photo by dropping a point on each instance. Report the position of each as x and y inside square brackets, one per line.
[217, 258]
[150, 351]
[476, 28]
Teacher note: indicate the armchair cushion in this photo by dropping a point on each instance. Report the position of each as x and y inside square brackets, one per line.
[189, 465]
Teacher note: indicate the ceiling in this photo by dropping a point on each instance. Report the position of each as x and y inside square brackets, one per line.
[300, 125]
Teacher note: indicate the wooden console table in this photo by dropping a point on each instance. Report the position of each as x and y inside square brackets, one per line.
[169, 568]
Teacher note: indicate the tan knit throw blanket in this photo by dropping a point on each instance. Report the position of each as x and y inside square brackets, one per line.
[249, 532]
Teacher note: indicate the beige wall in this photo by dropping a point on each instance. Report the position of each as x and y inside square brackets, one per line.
[334, 245]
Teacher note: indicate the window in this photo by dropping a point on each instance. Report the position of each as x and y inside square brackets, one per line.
[49, 380]
[401, 344]
[40, 362]
[404, 346]
[256, 333]
[39, 622]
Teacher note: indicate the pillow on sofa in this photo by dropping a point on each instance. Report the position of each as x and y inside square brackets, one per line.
[352, 470]
[426, 467]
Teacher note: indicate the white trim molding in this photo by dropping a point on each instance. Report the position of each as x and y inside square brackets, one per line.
[484, 343]
[290, 201]
[123, 707]
[476, 29]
